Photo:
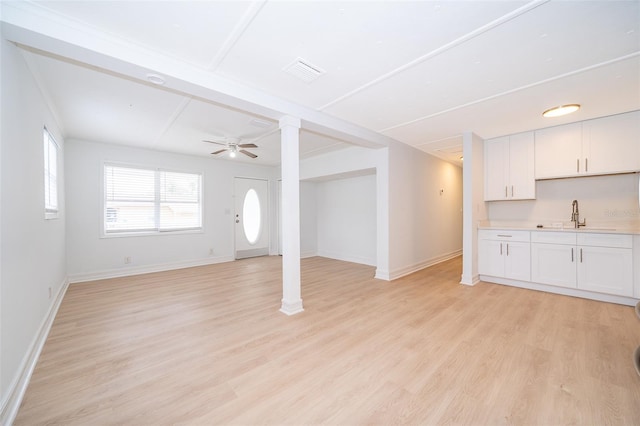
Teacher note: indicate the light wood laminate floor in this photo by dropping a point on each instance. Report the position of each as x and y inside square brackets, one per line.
[207, 345]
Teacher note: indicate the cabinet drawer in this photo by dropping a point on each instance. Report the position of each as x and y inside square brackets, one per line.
[502, 235]
[554, 237]
[605, 240]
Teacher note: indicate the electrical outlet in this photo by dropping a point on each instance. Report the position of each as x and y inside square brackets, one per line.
[127, 260]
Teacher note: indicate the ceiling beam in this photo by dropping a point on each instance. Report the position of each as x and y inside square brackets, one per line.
[30, 25]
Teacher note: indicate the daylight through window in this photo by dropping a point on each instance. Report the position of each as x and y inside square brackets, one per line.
[151, 200]
[50, 176]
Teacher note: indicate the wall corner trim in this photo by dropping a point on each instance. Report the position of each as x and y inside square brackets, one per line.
[470, 281]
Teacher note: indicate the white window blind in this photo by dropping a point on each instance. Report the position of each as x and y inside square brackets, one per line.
[50, 175]
[151, 200]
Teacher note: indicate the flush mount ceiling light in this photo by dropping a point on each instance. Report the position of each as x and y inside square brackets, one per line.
[561, 110]
[155, 79]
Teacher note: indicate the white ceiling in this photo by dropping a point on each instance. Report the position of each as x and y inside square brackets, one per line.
[418, 72]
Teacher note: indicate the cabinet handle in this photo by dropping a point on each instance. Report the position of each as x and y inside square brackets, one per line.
[511, 191]
[580, 255]
[507, 249]
[571, 254]
[505, 191]
[504, 236]
[500, 249]
[577, 165]
[586, 164]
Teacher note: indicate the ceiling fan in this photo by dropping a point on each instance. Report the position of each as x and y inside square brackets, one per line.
[234, 146]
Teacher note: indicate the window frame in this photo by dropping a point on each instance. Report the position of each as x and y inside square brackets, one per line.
[51, 211]
[157, 203]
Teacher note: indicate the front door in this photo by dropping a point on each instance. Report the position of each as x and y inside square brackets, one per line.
[251, 217]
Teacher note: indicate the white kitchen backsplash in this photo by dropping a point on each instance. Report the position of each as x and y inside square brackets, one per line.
[610, 201]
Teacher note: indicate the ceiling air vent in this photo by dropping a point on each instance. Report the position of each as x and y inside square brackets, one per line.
[260, 123]
[304, 70]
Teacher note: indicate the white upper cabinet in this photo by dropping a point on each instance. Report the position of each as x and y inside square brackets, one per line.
[558, 151]
[595, 147]
[612, 144]
[509, 171]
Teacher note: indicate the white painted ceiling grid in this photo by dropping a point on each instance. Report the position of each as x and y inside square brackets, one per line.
[419, 72]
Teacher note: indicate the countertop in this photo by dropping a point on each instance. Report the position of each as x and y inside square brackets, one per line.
[589, 229]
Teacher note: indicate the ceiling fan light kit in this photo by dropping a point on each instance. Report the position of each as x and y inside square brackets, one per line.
[233, 146]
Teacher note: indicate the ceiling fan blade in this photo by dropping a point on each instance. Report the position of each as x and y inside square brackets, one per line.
[250, 154]
[219, 151]
[247, 145]
[216, 142]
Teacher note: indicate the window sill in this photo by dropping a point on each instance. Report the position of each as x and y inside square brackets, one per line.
[150, 233]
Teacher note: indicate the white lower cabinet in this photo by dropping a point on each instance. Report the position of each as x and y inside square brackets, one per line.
[594, 262]
[553, 264]
[606, 270]
[504, 254]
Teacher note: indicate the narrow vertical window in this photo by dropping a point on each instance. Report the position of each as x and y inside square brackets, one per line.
[50, 176]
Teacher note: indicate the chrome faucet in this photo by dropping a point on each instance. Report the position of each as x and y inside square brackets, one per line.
[575, 215]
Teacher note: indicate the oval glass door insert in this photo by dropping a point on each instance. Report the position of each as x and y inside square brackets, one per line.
[251, 216]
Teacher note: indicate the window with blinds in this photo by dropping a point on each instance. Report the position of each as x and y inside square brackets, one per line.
[151, 200]
[50, 176]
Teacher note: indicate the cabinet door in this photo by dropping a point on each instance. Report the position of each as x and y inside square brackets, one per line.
[522, 184]
[558, 151]
[612, 144]
[496, 162]
[605, 270]
[490, 258]
[517, 261]
[553, 264]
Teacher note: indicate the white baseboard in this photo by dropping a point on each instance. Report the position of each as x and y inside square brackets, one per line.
[146, 269]
[346, 258]
[18, 386]
[475, 279]
[382, 275]
[401, 272]
[307, 254]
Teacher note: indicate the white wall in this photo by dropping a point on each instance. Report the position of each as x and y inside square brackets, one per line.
[33, 254]
[607, 201]
[308, 219]
[346, 219]
[425, 225]
[93, 256]
[356, 161]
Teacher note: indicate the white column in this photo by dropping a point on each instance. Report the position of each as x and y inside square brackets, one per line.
[290, 164]
[473, 205]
